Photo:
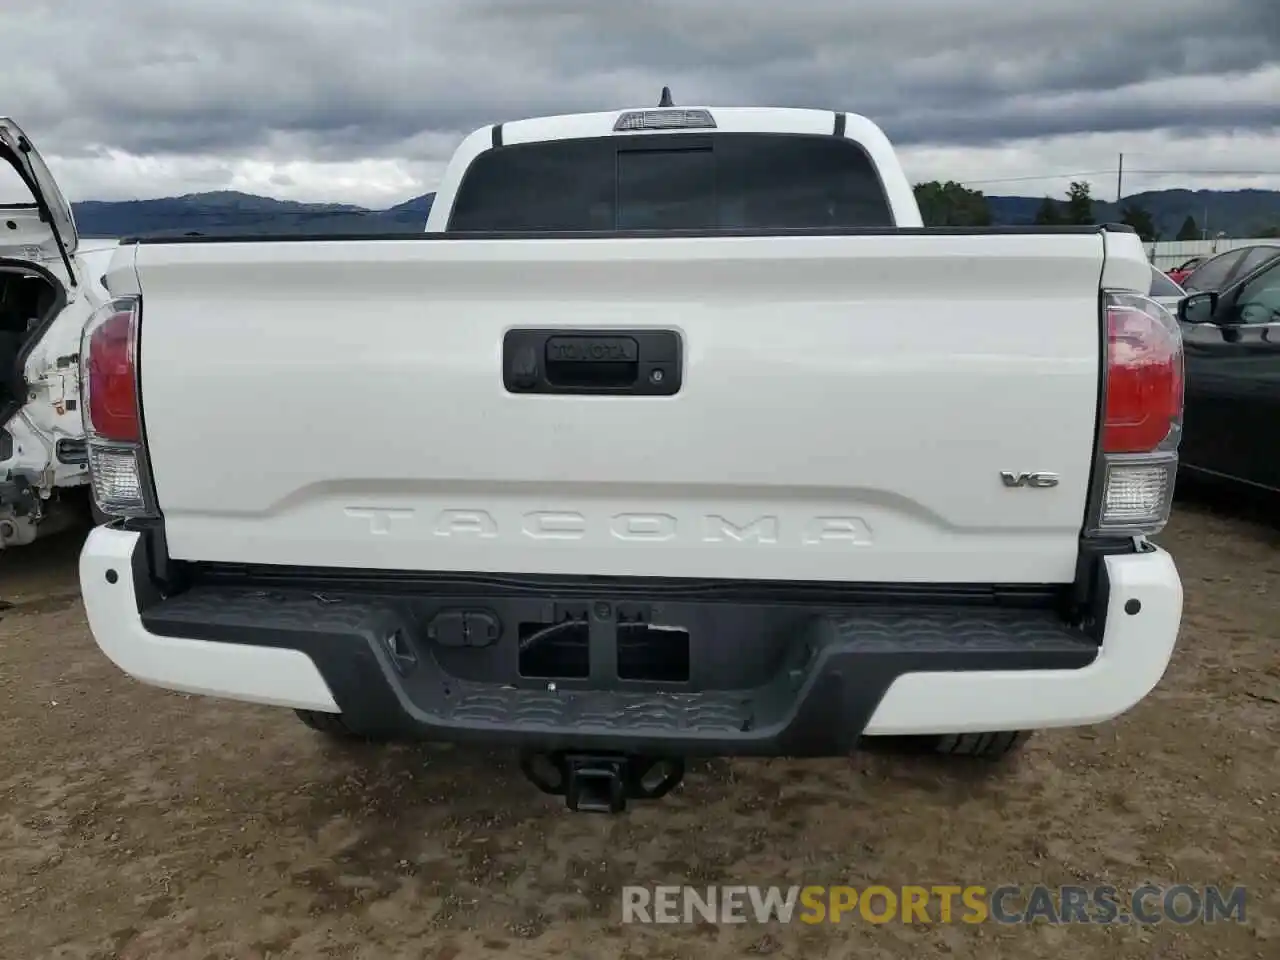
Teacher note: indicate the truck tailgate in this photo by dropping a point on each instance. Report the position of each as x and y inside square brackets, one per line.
[848, 406]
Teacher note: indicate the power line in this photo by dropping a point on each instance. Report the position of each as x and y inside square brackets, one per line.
[1099, 173]
[1213, 173]
[1046, 176]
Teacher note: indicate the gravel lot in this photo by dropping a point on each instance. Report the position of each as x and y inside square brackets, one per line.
[137, 823]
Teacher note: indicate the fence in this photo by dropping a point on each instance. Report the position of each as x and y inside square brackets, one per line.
[1173, 253]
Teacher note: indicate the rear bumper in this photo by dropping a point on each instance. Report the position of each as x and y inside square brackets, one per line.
[877, 671]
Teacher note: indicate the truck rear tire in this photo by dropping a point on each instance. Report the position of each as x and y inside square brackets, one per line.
[332, 725]
[980, 746]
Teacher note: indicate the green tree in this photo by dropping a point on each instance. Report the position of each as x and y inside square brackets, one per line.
[1138, 218]
[1049, 213]
[1079, 205]
[1268, 233]
[1189, 230]
[951, 204]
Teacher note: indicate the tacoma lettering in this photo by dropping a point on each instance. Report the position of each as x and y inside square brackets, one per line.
[632, 527]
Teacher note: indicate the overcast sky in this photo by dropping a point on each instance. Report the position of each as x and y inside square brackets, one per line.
[363, 100]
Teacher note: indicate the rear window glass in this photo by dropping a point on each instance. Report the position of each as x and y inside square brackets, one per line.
[1211, 274]
[13, 191]
[677, 182]
[1162, 286]
[1255, 258]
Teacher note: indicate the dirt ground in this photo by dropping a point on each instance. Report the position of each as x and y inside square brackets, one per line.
[136, 823]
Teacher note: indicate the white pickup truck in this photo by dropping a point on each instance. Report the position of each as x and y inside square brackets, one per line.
[49, 286]
[675, 434]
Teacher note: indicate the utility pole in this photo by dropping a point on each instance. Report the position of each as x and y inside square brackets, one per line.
[1120, 181]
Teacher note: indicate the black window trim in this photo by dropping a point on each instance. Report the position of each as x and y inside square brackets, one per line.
[639, 142]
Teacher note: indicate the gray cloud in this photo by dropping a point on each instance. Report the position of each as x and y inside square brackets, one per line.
[331, 80]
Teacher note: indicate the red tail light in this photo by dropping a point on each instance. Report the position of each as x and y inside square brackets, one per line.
[1141, 420]
[110, 377]
[112, 411]
[1144, 377]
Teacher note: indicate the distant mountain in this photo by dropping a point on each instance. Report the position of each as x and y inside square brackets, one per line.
[227, 212]
[1238, 213]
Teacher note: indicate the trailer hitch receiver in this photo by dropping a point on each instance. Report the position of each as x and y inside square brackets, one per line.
[602, 783]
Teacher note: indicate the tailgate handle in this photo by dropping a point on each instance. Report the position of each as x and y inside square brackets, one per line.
[619, 362]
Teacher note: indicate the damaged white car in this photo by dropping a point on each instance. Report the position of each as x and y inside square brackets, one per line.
[48, 288]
